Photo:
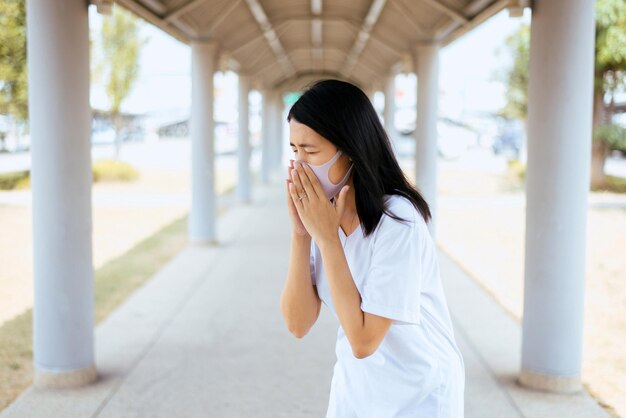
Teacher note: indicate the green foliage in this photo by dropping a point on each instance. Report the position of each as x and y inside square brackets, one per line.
[113, 170]
[612, 134]
[610, 49]
[516, 76]
[121, 45]
[13, 75]
[611, 35]
[610, 57]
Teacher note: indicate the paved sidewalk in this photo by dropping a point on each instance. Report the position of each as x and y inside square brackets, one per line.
[205, 338]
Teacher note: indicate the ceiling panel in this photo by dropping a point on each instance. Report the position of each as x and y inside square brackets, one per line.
[400, 26]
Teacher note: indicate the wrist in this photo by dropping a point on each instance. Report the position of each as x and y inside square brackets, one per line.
[329, 243]
[300, 238]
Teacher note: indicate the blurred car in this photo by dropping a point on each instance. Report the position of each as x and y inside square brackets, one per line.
[102, 135]
[509, 140]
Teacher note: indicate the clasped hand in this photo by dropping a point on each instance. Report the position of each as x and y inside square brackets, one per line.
[318, 215]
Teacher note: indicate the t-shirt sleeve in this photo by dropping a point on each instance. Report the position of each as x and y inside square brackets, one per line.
[312, 264]
[393, 282]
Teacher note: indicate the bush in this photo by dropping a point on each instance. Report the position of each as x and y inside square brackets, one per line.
[517, 168]
[111, 170]
[613, 184]
[16, 180]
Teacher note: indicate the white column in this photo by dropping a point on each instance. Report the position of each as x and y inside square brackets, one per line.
[61, 178]
[268, 143]
[427, 71]
[279, 124]
[243, 148]
[390, 110]
[557, 184]
[202, 216]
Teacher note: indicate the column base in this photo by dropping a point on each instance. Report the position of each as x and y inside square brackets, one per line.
[50, 379]
[548, 383]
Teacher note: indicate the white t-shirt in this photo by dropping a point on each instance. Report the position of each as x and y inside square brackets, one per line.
[417, 370]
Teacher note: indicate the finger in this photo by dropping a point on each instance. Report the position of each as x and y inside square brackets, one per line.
[295, 177]
[314, 181]
[341, 203]
[289, 199]
[294, 197]
[306, 182]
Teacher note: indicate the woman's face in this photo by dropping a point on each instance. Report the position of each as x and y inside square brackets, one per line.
[310, 147]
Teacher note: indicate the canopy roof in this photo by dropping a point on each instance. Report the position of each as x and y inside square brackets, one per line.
[283, 43]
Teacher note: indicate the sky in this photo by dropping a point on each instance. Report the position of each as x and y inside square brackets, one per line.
[465, 82]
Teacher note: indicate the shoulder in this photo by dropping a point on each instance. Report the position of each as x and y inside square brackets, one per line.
[402, 207]
[412, 224]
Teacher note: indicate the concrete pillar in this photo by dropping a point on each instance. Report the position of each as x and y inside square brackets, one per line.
[279, 125]
[557, 184]
[267, 138]
[390, 110]
[243, 149]
[202, 216]
[427, 70]
[61, 178]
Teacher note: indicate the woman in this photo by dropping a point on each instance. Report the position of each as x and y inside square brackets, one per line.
[360, 244]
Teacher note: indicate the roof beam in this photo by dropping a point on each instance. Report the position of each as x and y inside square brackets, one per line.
[363, 35]
[455, 29]
[280, 29]
[454, 14]
[183, 36]
[305, 18]
[316, 33]
[270, 35]
[179, 11]
[220, 18]
[409, 16]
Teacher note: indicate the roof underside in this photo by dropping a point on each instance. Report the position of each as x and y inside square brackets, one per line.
[283, 44]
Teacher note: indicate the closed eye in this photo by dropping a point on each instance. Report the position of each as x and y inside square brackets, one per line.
[294, 151]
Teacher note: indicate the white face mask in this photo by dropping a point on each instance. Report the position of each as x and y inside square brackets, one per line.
[321, 171]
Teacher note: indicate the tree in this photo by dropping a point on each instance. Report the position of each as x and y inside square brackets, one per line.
[121, 46]
[13, 74]
[610, 70]
[516, 77]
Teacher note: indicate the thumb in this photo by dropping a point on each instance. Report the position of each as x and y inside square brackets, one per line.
[341, 202]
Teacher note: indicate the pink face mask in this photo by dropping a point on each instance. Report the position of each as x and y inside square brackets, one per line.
[321, 171]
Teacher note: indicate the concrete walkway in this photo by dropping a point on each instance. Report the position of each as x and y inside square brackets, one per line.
[205, 338]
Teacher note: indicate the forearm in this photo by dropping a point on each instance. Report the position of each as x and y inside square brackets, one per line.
[346, 296]
[298, 301]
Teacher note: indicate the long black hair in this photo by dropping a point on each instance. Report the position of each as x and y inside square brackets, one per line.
[343, 114]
